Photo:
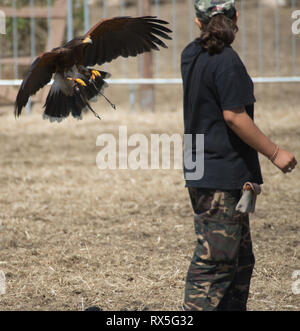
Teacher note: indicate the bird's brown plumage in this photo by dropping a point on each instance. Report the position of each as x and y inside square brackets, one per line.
[110, 38]
[38, 75]
[124, 36]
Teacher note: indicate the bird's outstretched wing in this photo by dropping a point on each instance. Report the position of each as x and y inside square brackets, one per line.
[124, 36]
[38, 75]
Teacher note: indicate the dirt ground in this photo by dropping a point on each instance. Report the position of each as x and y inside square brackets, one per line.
[72, 235]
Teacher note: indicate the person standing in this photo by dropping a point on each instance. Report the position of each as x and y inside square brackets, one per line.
[219, 103]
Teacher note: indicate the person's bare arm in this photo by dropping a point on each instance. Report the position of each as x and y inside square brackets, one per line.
[240, 122]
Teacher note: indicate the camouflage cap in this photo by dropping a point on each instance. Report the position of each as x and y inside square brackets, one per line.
[206, 9]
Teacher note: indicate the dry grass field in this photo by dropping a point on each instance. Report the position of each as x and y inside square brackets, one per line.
[72, 236]
[122, 239]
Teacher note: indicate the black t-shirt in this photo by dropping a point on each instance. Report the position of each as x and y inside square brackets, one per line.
[213, 83]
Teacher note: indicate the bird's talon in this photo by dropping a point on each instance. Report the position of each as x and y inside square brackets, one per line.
[95, 73]
[78, 81]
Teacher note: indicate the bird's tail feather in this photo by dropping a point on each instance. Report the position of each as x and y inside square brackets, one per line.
[59, 106]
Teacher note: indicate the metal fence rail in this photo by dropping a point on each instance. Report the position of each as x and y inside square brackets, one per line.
[261, 75]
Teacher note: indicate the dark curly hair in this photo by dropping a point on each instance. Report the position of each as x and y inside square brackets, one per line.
[218, 33]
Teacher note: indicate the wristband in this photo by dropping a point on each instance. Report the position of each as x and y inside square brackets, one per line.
[274, 156]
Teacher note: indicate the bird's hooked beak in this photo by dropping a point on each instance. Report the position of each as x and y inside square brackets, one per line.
[87, 40]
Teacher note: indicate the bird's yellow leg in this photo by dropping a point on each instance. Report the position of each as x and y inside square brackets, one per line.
[95, 73]
[78, 80]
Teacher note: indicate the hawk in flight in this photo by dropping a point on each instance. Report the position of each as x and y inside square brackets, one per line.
[75, 82]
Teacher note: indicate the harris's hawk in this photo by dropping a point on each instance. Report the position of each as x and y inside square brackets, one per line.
[75, 82]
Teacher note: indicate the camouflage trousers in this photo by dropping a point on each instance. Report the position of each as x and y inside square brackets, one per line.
[221, 269]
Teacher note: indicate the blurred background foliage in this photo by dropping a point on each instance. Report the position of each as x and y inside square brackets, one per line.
[41, 27]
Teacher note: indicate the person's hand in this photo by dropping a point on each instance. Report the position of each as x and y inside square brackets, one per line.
[285, 161]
